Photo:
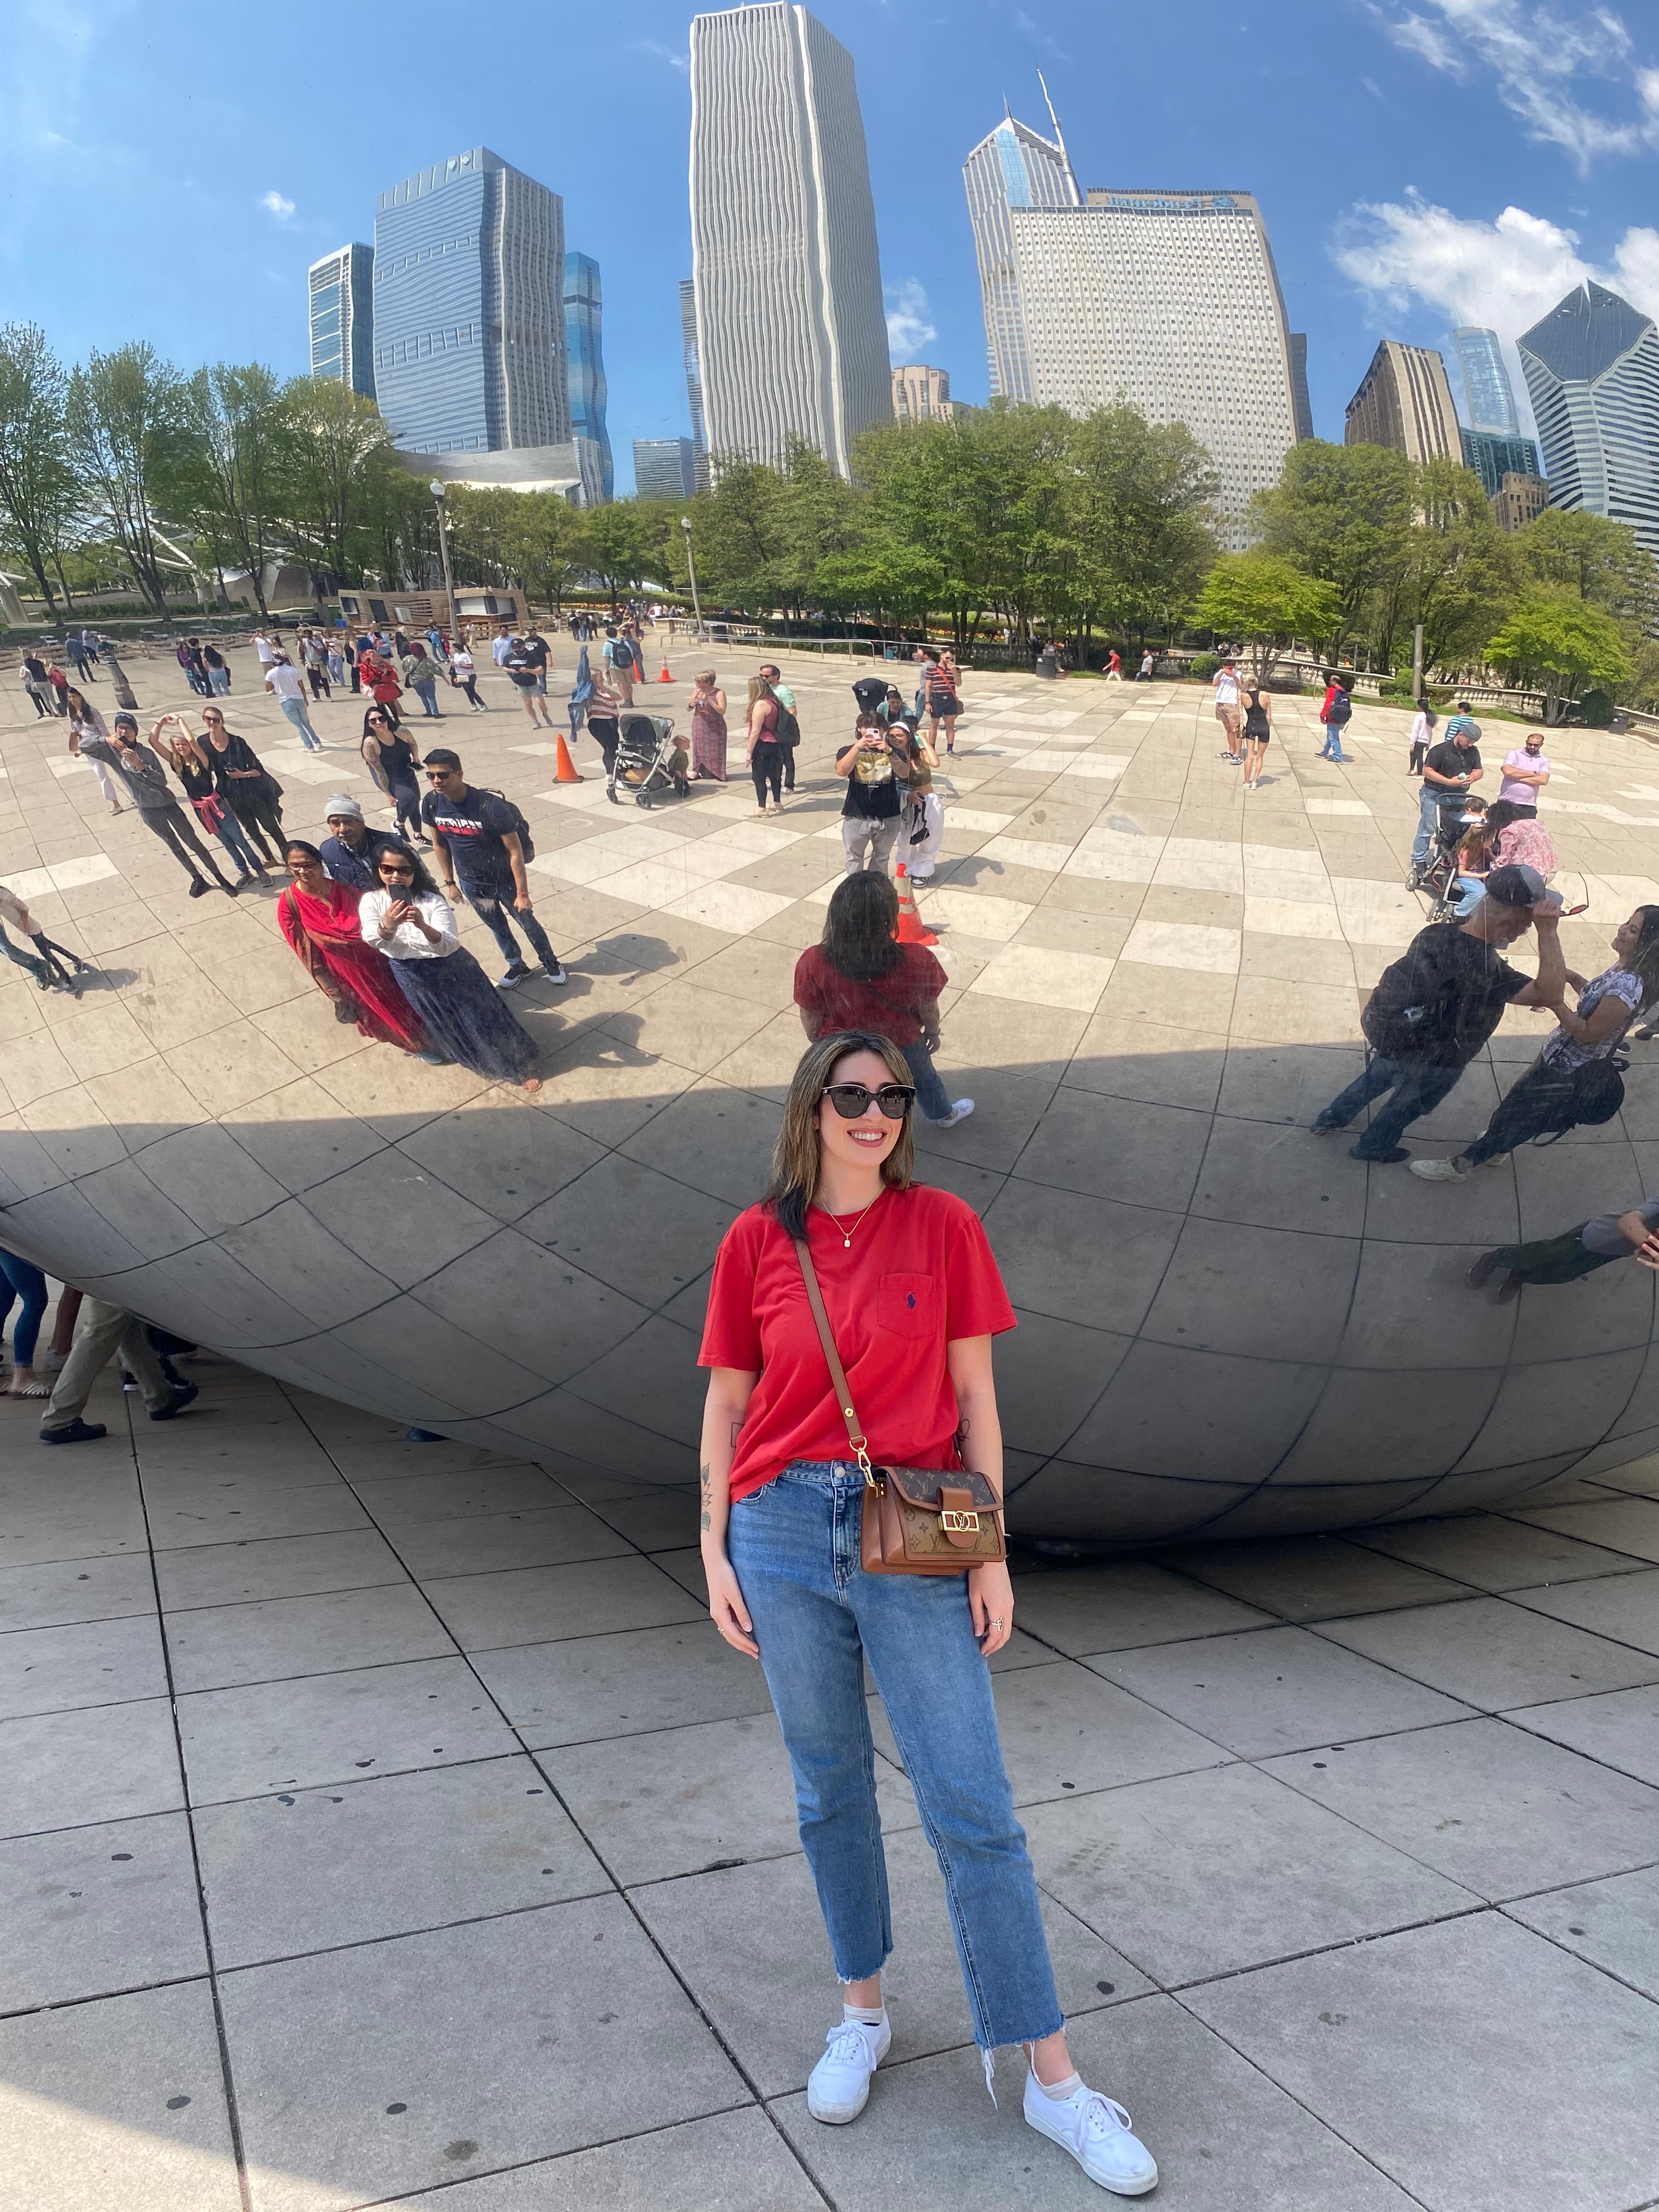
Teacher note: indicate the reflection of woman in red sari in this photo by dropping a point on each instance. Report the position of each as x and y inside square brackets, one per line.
[320, 920]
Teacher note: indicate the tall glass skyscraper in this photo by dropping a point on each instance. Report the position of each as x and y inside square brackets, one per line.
[468, 308]
[1486, 387]
[1492, 457]
[693, 366]
[1011, 168]
[343, 317]
[792, 338]
[585, 358]
[1592, 370]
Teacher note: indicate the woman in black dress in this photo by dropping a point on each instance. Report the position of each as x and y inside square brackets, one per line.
[386, 750]
[247, 787]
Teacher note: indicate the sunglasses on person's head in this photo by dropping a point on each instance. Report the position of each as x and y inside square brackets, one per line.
[850, 1100]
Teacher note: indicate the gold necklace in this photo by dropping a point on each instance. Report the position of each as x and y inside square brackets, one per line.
[847, 1234]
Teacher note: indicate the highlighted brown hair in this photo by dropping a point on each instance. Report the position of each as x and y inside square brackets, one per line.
[795, 1154]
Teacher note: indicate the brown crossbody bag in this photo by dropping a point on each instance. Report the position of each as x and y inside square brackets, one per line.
[916, 1520]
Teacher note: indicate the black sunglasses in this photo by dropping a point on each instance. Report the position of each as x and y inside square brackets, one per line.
[850, 1100]
[394, 868]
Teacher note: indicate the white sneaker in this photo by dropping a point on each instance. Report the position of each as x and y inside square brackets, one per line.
[1439, 1170]
[838, 2087]
[959, 1112]
[1097, 2132]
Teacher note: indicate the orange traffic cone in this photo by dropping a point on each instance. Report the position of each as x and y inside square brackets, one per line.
[568, 771]
[910, 931]
[664, 677]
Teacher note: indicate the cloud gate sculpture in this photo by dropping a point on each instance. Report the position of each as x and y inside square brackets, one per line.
[1227, 1326]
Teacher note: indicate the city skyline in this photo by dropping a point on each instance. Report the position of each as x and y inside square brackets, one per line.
[1592, 367]
[1456, 202]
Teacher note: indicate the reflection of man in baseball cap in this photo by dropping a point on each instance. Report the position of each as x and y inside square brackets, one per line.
[1517, 885]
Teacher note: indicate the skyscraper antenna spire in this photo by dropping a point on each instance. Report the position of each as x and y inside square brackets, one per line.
[1059, 141]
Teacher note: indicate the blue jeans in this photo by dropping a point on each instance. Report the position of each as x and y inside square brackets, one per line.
[220, 679]
[794, 1548]
[427, 691]
[492, 903]
[1428, 821]
[232, 836]
[22, 1279]
[1470, 892]
[930, 1091]
[1332, 748]
[295, 711]
[1419, 1086]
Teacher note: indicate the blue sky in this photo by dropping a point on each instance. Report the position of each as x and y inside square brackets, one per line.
[180, 165]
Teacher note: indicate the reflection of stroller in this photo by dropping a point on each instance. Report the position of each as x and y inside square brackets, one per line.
[1438, 875]
[648, 760]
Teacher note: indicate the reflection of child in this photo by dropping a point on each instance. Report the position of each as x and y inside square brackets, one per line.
[1578, 1253]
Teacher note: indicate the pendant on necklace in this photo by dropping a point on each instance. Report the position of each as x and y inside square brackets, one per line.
[846, 1243]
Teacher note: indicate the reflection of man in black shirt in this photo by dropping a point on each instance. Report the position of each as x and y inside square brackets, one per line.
[1450, 768]
[480, 856]
[1435, 1007]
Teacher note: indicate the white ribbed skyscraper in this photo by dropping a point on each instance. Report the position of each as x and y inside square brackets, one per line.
[1011, 168]
[792, 338]
[1592, 369]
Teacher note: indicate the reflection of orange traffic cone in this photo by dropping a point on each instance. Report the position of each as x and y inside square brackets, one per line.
[910, 931]
[566, 766]
[664, 677]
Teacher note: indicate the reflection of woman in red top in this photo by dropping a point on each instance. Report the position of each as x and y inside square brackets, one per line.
[318, 918]
[859, 977]
[914, 1299]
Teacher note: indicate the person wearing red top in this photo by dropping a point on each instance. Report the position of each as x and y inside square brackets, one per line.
[913, 1298]
[859, 977]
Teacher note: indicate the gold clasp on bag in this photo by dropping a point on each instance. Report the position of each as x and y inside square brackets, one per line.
[958, 1524]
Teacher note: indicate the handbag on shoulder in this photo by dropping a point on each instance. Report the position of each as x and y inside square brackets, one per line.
[916, 1520]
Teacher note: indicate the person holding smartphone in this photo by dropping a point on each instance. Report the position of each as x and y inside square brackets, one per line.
[877, 768]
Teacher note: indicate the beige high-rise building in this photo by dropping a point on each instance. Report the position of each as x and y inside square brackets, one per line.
[1405, 401]
[922, 395]
[1519, 500]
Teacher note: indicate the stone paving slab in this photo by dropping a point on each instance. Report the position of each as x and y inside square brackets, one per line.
[402, 1861]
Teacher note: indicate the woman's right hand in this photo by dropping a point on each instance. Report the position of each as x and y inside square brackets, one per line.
[725, 1607]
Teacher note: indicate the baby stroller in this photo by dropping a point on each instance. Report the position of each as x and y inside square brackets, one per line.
[1438, 875]
[648, 761]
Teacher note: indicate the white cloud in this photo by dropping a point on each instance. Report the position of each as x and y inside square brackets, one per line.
[1537, 54]
[659, 52]
[280, 209]
[907, 327]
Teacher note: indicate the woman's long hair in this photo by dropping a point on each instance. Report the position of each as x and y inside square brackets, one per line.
[795, 1154]
[859, 937]
[1644, 960]
[423, 886]
[75, 701]
[759, 688]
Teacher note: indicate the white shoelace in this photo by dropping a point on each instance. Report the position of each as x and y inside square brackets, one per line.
[846, 2042]
[1103, 2116]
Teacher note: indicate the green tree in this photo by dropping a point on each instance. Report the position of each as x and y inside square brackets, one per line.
[1267, 603]
[39, 491]
[237, 459]
[621, 541]
[1345, 514]
[1602, 561]
[1138, 517]
[1557, 641]
[338, 451]
[1460, 577]
[125, 416]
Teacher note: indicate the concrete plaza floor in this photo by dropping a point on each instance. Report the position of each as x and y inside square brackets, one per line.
[386, 1824]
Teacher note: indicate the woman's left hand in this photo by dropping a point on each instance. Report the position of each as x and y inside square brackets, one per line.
[991, 1605]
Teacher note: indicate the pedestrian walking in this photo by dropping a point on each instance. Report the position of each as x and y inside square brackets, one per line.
[1633, 1234]
[145, 778]
[788, 723]
[100, 1332]
[1113, 666]
[282, 681]
[86, 721]
[38, 685]
[420, 672]
[618, 657]
[1435, 1007]
[708, 732]
[46, 963]
[461, 1013]
[1147, 664]
[60, 684]
[394, 764]
[264, 648]
[1256, 733]
[763, 755]
[465, 670]
[90, 645]
[1424, 723]
[874, 797]
[351, 849]
[313, 657]
[247, 786]
[1335, 714]
[77, 657]
[379, 679]
[1225, 684]
[318, 917]
[218, 673]
[906, 1297]
[1448, 770]
[481, 839]
[859, 976]
[1572, 1083]
[191, 761]
[942, 703]
[21, 1282]
[601, 710]
[1526, 772]
[921, 812]
[523, 675]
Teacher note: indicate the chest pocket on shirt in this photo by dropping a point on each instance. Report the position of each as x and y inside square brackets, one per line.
[907, 1304]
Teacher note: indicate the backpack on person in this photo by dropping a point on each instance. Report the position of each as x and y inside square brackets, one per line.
[786, 729]
[518, 826]
[1410, 1014]
[1338, 708]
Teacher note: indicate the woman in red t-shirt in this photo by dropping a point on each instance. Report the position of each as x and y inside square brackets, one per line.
[913, 1298]
[860, 977]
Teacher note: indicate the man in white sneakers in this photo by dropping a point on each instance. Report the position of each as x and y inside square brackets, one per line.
[1225, 684]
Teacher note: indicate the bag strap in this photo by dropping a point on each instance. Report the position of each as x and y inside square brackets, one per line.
[855, 1435]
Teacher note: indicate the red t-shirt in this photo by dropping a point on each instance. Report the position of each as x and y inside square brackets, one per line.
[886, 1007]
[920, 1273]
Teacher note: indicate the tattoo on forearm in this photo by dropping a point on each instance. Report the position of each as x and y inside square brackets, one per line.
[705, 1476]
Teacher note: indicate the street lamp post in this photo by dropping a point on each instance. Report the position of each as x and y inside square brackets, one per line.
[437, 490]
[691, 566]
